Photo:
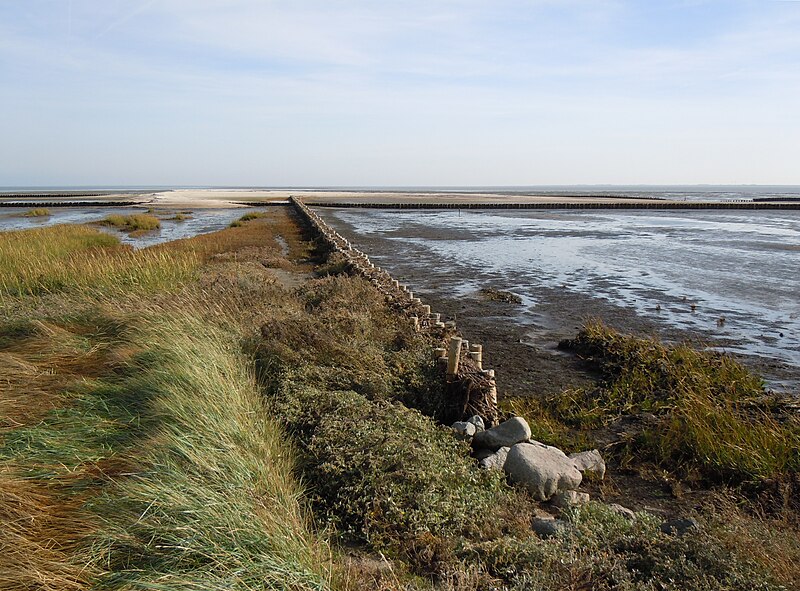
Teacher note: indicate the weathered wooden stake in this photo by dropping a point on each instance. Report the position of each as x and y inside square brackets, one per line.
[453, 356]
[439, 352]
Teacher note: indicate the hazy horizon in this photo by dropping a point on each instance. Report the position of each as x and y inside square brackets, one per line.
[522, 93]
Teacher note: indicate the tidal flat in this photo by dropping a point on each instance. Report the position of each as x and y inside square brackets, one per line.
[721, 279]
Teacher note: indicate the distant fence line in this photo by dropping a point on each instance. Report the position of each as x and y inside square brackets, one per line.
[786, 205]
[68, 203]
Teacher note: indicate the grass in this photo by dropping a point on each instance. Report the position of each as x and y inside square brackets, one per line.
[214, 504]
[140, 222]
[713, 415]
[78, 258]
[250, 216]
[37, 212]
[174, 462]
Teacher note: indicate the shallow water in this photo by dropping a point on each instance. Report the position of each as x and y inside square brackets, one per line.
[738, 269]
[199, 221]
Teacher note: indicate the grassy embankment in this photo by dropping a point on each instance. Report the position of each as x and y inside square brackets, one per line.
[155, 428]
[136, 449]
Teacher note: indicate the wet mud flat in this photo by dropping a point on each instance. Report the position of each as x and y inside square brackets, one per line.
[521, 339]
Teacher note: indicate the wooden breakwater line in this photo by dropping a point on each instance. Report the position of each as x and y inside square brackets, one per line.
[68, 203]
[469, 388]
[671, 205]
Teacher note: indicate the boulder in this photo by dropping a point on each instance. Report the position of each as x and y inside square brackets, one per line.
[463, 429]
[497, 460]
[567, 499]
[506, 434]
[547, 527]
[679, 526]
[542, 469]
[623, 511]
[477, 420]
[482, 454]
[590, 463]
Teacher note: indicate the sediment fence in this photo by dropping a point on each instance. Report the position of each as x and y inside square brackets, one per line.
[674, 205]
[469, 388]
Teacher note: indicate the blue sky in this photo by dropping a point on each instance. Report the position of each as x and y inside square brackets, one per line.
[436, 92]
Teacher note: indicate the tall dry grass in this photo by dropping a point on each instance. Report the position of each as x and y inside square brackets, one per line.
[82, 259]
[216, 504]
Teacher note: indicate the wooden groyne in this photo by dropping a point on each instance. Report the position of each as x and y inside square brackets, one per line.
[57, 195]
[470, 389]
[671, 205]
[68, 203]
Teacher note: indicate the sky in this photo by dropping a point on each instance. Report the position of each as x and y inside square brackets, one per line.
[400, 93]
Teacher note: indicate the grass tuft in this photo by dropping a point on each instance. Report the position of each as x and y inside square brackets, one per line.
[37, 212]
[139, 222]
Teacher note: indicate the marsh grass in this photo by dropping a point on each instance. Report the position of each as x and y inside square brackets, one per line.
[134, 436]
[79, 258]
[714, 416]
[215, 504]
[137, 222]
[37, 212]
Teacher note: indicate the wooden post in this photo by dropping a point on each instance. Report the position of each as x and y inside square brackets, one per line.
[415, 323]
[453, 356]
[439, 352]
[476, 354]
[426, 310]
[436, 318]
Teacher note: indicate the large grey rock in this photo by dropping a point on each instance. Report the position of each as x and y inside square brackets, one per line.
[542, 469]
[506, 434]
[567, 499]
[463, 429]
[547, 527]
[482, 454]
[477, 420]
[497, 460]
[680, 526]
[590, 463]
[623, 511]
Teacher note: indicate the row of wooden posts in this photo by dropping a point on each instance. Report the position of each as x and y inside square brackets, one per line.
[643, 204]
[469, 388]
